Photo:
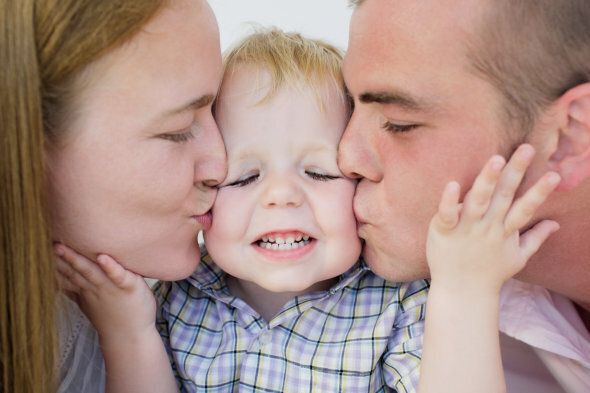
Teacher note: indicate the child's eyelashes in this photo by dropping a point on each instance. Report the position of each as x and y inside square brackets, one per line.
[241, 182]
[251, 178]
[320, 176]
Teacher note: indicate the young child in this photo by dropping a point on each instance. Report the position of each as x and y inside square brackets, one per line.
[281, 302]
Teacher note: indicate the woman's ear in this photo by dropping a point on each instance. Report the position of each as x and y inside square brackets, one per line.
[571, 158]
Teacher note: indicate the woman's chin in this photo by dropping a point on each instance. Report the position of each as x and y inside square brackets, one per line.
[166, 266]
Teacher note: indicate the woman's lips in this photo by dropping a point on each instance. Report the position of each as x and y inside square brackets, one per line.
[204, 220]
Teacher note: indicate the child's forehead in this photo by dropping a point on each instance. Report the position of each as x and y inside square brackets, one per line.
[284, 156]
[292, 121]
[260, 85]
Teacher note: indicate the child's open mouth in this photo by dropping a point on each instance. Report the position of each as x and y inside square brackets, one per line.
[284, 241]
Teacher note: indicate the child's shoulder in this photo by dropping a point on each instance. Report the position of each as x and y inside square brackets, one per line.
[405, 293]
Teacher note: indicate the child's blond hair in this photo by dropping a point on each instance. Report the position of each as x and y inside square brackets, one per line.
[290, 59]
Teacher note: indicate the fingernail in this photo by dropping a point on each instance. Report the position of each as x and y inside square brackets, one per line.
[59, 250]
[497, 163]
[553, 178]
[453, 187]
[527, 151]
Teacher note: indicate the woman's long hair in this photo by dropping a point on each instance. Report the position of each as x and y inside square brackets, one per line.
[44, 46]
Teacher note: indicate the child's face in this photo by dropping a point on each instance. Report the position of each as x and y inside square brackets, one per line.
[283, 186]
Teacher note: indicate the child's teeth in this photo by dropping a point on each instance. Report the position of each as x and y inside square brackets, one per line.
[292, 242]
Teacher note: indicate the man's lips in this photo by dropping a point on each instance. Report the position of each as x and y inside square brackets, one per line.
[361, 220]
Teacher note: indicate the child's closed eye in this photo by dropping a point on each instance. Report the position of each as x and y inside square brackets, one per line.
[244, 180]
[320, 176]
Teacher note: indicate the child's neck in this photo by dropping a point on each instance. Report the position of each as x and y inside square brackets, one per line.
[265, 302]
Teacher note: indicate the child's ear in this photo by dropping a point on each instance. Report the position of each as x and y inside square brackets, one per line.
[571, 158]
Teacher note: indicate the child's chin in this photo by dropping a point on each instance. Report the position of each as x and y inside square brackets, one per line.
[290, 286]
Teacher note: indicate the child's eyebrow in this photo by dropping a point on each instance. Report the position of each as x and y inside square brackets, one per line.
[245, 154]
[250, 152]
[316, 148]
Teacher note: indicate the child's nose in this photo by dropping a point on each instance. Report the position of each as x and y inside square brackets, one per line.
[282, 191]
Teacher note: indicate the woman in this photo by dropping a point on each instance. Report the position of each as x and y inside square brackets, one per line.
[106, 119]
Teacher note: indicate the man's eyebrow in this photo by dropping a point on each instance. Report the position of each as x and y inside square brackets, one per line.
[199, 103]
[393, 98]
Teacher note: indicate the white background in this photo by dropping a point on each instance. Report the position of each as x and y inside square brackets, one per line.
[325, 19]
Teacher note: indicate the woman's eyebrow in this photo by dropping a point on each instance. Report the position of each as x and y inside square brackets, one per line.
[198, 103]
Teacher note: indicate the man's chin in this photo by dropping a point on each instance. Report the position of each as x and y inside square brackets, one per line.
[392, 267]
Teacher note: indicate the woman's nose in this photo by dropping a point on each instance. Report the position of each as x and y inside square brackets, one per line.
[282, 191]
[211, 167]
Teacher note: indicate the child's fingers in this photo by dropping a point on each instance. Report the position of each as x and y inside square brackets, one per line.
[478, 199]
[532, 239]
[76, 279]
[448, 208]
[83, 266]
[526, 206]
[68, 273]
[510, 180]
[115, 272]
[64, 268]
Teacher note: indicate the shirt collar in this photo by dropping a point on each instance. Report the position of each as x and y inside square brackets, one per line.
[209, 278]
[544, 320]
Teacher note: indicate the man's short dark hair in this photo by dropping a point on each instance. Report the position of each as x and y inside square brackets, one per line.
[532, 51]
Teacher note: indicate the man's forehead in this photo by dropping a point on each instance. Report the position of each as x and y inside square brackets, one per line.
[429, 17]
[392, 35]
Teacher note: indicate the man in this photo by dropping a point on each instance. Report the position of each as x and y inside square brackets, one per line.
[440, 86]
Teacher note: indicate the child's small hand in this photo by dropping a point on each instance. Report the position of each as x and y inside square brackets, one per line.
[118, 302]
[478, 244]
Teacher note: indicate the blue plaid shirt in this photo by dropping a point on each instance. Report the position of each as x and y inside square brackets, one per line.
[362, 335]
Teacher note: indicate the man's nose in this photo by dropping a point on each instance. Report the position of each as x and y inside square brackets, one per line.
[354, 152]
